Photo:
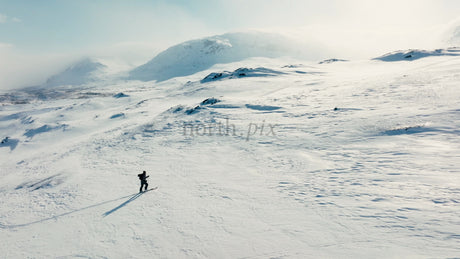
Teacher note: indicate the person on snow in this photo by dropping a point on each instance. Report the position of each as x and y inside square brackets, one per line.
[143, 177]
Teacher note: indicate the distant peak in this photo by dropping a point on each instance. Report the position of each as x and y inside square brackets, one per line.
[80, 72]
[197, 55]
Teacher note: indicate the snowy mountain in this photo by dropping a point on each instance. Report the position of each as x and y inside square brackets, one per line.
[259, 158]
[196, 55]
[83, 72]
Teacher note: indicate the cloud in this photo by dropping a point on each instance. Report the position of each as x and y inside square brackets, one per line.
[18, 69]
[352, 28]
[133, 53]
[5, 46]
[3, 18]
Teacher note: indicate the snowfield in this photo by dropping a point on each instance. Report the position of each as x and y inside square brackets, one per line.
[274, 158]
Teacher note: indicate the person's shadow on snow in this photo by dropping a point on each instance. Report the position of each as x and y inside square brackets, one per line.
[135, 196]
[131, 197]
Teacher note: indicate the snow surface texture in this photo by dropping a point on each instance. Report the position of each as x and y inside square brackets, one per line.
[356, 159]
[197, 55]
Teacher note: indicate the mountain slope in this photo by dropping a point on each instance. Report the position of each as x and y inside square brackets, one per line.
[197, 55]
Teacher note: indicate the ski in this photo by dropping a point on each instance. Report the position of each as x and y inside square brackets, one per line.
[151, 189]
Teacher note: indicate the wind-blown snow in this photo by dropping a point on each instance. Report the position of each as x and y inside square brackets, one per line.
[452, 34]
[197, 55]
[358, 159]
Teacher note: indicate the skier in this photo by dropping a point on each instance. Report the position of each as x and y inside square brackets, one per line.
[143, 177]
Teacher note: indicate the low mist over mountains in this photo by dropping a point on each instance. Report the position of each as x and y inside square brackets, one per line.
[196, 55]
[82, 72]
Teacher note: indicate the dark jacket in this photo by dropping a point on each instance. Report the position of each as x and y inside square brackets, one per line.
[143, 177]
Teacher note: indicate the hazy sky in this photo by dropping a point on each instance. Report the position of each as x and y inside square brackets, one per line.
[38, 37]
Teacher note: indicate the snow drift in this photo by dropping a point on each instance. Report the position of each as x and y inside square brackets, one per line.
[196, 55]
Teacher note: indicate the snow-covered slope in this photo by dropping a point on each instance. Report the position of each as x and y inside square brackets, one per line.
[414, 54]
[82, 72]
[356, 159]
[241, 72]
[197, 55]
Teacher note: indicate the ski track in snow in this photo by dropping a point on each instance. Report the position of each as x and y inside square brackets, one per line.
[362, 162]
